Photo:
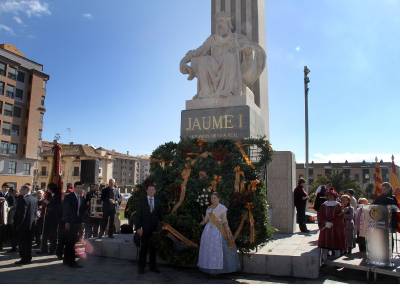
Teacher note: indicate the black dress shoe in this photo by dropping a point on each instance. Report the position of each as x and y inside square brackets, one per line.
[75, 265]
[22, 262]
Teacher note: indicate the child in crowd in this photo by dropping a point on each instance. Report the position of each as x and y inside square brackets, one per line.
[361, 228]
[348, 214]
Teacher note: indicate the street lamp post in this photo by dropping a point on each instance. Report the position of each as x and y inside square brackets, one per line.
[306, 89]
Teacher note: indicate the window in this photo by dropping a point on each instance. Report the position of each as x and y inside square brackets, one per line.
[15, 130]
[365, 175]
[4, 147]
[43, 98]
[385, 174]
[346, 173]
[2, 69]
[27, 168]
[44, 171]
[328, 172]
[76, 171]
[1, 88]
[40, 134]
[13, 148]
[41, 118]
[12, 167]
[17, 112]
[21, 76]
[19, 94]
[43, 185]
[8, 109]
[6, 128]
[1, 107]
[12, 73]
[10, 91]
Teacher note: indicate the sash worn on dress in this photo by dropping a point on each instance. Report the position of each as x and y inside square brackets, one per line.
[215, 221]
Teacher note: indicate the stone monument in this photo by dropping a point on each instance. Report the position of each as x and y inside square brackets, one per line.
[231, 100]
[232, 95]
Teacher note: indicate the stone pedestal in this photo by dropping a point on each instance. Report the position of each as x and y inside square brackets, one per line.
[281, 183]
[222, 118]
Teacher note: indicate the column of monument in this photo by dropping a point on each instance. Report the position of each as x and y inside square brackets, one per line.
[248, 19]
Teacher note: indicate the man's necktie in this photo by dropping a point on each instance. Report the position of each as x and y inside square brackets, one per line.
[79, 204]
[151, 204]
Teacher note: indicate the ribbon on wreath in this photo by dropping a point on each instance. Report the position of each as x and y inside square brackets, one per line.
[167, 227]
[214, 183]
[238, 179]
[244, 155]
[253, 185]
[247, 216]
[252, 235]
[185, 176]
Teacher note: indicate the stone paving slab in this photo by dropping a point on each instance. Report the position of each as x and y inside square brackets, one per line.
[101, 270]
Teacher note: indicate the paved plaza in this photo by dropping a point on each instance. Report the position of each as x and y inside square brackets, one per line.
[100, 270]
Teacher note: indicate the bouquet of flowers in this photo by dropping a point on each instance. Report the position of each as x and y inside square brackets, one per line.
[203, 198]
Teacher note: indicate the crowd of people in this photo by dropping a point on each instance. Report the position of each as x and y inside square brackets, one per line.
[55, 221]
[340, 217]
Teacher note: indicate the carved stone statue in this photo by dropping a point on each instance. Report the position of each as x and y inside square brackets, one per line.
[226, 65]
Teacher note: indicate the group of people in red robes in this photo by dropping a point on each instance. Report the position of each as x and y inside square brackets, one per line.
[341, 222]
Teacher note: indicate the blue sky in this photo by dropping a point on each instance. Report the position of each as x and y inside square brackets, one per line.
[115, 80]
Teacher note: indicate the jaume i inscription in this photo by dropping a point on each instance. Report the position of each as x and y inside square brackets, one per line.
[213, 123]
[230, 123]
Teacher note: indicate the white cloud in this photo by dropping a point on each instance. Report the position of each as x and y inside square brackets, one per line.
[355, 157]
[88, 16]
[18, 20]
[298, 48]
[28, 7]
[6, 29]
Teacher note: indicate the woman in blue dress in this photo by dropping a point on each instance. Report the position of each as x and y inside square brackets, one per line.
[218, 252]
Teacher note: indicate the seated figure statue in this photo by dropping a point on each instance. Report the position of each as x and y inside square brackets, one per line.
[226, 65]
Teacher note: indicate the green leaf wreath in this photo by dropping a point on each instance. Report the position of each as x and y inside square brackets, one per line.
[212, 166]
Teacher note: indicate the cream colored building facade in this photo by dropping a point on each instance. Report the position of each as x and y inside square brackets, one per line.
[71, 157]
[362, 172]
[127, 170]
[22, 108]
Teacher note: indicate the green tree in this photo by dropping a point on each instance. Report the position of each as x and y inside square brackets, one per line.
[339, 181]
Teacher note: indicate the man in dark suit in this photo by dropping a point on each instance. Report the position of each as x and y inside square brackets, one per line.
[111, 199]
[147, 221]
[51, 219]
[25, 216]
[300, 202]
[73, 209]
